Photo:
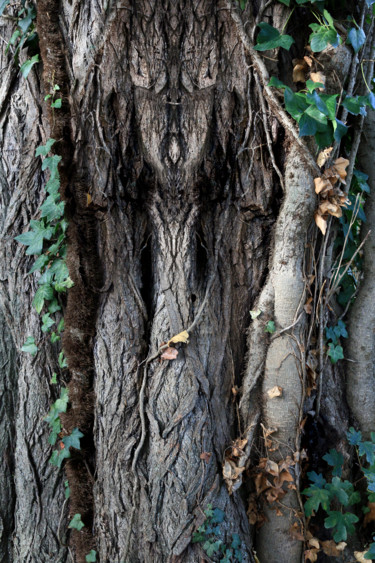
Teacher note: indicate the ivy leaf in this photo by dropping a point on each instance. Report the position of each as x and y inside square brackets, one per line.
[217, 516]
[212, 547]
[62, 403]
[56, 104]
[73, 439]
[340, 129]
[30, 347]
[34, 238]
[343, 523]
[323, 36]
[91, 557]
[317, 479]
[60, 270]
[354, 105]
[62, 361]
[51, 163]
[336, 460]
[236, 543]
[270, 38]
[356, 38]
[54, 337]
[43, 150]
[39, 264]
[67, 489]
[276, 83]
[3, 5]
[28, 65]
[44, 292]
[270, 327]
[371, 552]
[52, 208]
[335, 353]
[27, 21]
[367, 449]
[76, 522]
[337, 489]
[53, 306]
[317, 497]
[47, 322]
[311, 86]
[295, 104]
[354, 436]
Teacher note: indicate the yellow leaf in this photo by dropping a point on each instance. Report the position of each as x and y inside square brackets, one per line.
[180, 337]
[89, 199]
[318, 77]
[360, 556]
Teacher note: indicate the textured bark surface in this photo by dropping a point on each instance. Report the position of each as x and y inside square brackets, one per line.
[164, 125]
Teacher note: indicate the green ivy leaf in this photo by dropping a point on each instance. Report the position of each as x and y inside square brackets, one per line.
[67, 489]
[354, 436]
[62, 361]
[295, 104]
[276, 83]
[354, 105]
[30, 347]
[317, 479]
[47, 322]
[51, 163]
[335, 353]
[211, 547]
[236, 543]
[63, 286]
[356, 38]
[52, 208]
[270, 38]
[76, 522]
[340, 129]
[43, 150]
[323, 36]
[3, 5]
[270, 327]
[367, 449]
[371, 552]
[35, 237]
[217, 516]
[39, 264]
[60, 270]
[91, 557]
[343, 524]
[336, 460]
[54, 378]
[56, 104]
[54, 337]
[45, 292]
[53, 307]
[318, 497]
[28, 65]
[73, 439]
[311, 86]
[337, 489]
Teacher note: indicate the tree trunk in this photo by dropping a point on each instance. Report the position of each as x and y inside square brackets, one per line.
[192, 220]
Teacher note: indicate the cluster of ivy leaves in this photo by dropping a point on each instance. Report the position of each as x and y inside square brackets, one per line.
[322, 494]
[24, 35]
[209, 535]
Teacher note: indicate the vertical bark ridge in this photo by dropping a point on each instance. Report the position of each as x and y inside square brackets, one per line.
[84, 270]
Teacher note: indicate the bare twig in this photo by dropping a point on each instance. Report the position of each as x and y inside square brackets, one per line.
[274, 104]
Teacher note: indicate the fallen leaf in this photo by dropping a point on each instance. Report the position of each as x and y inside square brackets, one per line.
[206, 456]
[169, 354]
[340, 165]
[332, 549]
[323, 156]
[360, 556]
[296, 532]
[299, 72]
[311, 555]
[89, 199]
[322, 185]
[308, 60]
[279, 512]
[328, 207]
[318, 77]
[320, 222]
[235, 390]
[314, 542]
[272, 468]
[232, 475]
[284, 476]
[275, 392]
[180, 337]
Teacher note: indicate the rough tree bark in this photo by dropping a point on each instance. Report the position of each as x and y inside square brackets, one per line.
[165, 125]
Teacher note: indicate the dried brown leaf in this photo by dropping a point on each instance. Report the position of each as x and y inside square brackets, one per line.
[322, 185]
[299, 73]
[320, 222]
[340, 165]
[323, 156]
[318, 77]
[311, 555]
[313, 542]
[272, 468]
[370, 516]
[332, 549]
[276, 391]
[360, 556]
[206, 456]
[308, 306]
[308, 61]
[169, 354]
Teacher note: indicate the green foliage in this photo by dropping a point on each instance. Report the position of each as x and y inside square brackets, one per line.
[70, 441]
[209, 534]
[30, 347]
[67, 489]
[91, 557]
[24, 35]
[28, 65]
[76, 523]
[323, 33]
[321, 494]
[270, 327]
[356, 38]
[270, 38]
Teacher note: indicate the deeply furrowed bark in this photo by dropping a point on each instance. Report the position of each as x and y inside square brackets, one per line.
[162, 125]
